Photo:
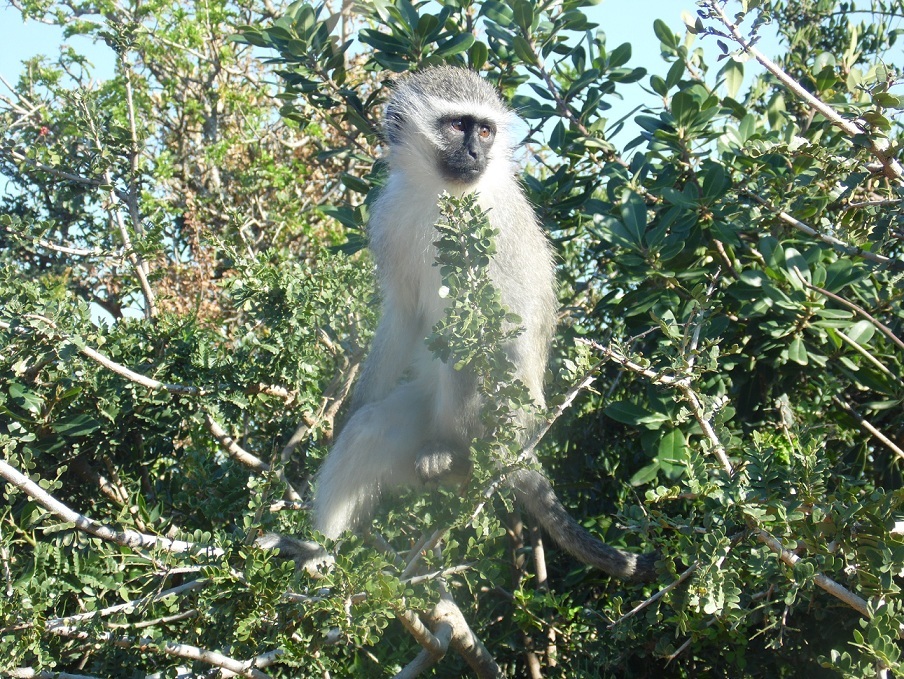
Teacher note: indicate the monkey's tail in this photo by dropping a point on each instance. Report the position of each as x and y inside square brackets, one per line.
[539, 499]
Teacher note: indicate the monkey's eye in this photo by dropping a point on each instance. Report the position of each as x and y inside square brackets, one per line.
[457, 124]
[485, 132]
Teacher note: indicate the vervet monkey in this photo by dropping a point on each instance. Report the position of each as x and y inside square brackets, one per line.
[413, 417]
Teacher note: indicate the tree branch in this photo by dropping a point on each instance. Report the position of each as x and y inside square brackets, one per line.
[238, 667]
[127, 538]
[881, 327]
[879, 148]
[684, 385]
[862, 421]
[846, 248]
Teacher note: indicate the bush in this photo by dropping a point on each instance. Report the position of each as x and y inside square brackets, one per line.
[182, 281]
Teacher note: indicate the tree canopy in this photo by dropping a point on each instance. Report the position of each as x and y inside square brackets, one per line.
[185, 300]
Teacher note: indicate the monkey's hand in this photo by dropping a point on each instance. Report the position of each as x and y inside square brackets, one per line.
[307, 555]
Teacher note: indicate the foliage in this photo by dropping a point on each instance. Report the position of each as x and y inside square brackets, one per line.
[181, 284]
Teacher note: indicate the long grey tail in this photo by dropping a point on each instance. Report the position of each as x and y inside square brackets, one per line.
[539, 499]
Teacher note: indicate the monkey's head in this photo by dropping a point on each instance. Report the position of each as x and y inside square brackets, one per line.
[448, 121]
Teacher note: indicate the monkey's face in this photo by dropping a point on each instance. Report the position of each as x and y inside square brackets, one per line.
[465, 148]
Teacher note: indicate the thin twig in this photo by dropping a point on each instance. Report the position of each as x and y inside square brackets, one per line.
[881, 327]
[129, 606]
[863, 422]
[878, 147]
[867, 355]
[31, 673]
[656, 597]
[846, 248]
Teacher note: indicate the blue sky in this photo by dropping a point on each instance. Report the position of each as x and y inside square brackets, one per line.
[623, 21]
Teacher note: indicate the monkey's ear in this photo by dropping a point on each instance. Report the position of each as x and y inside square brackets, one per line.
[392, 125]
[307, 555]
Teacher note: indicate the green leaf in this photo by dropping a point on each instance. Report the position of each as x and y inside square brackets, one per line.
[861, 332]
[499, 12]
[634, 217]
[645, 474]
[76, 425]
[477, 55]
[523, 50]
[664, 33]
[797, 268]
[733, 71]
[626, 412]
[797, 351]
[658, 85]
[524, 14]
[620, 56]
[673, 450]
[455, 45]
[25, 398]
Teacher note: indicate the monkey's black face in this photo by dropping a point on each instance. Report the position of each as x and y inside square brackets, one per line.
[466, 147]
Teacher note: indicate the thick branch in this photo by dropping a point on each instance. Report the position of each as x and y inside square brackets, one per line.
[235, 451]
[463, 640]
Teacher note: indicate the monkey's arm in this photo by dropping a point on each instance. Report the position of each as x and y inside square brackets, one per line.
[390, 355]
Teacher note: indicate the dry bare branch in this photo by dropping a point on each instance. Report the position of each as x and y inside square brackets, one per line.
[31, 673]
[865, 424]
[881, 327]
[658, 595]
[238, 667]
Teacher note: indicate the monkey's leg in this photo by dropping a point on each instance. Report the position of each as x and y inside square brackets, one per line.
[538, 497]
[444, 457]
[375, 452]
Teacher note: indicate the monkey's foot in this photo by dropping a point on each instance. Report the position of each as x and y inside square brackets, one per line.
[440, 463]
[307, 555]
